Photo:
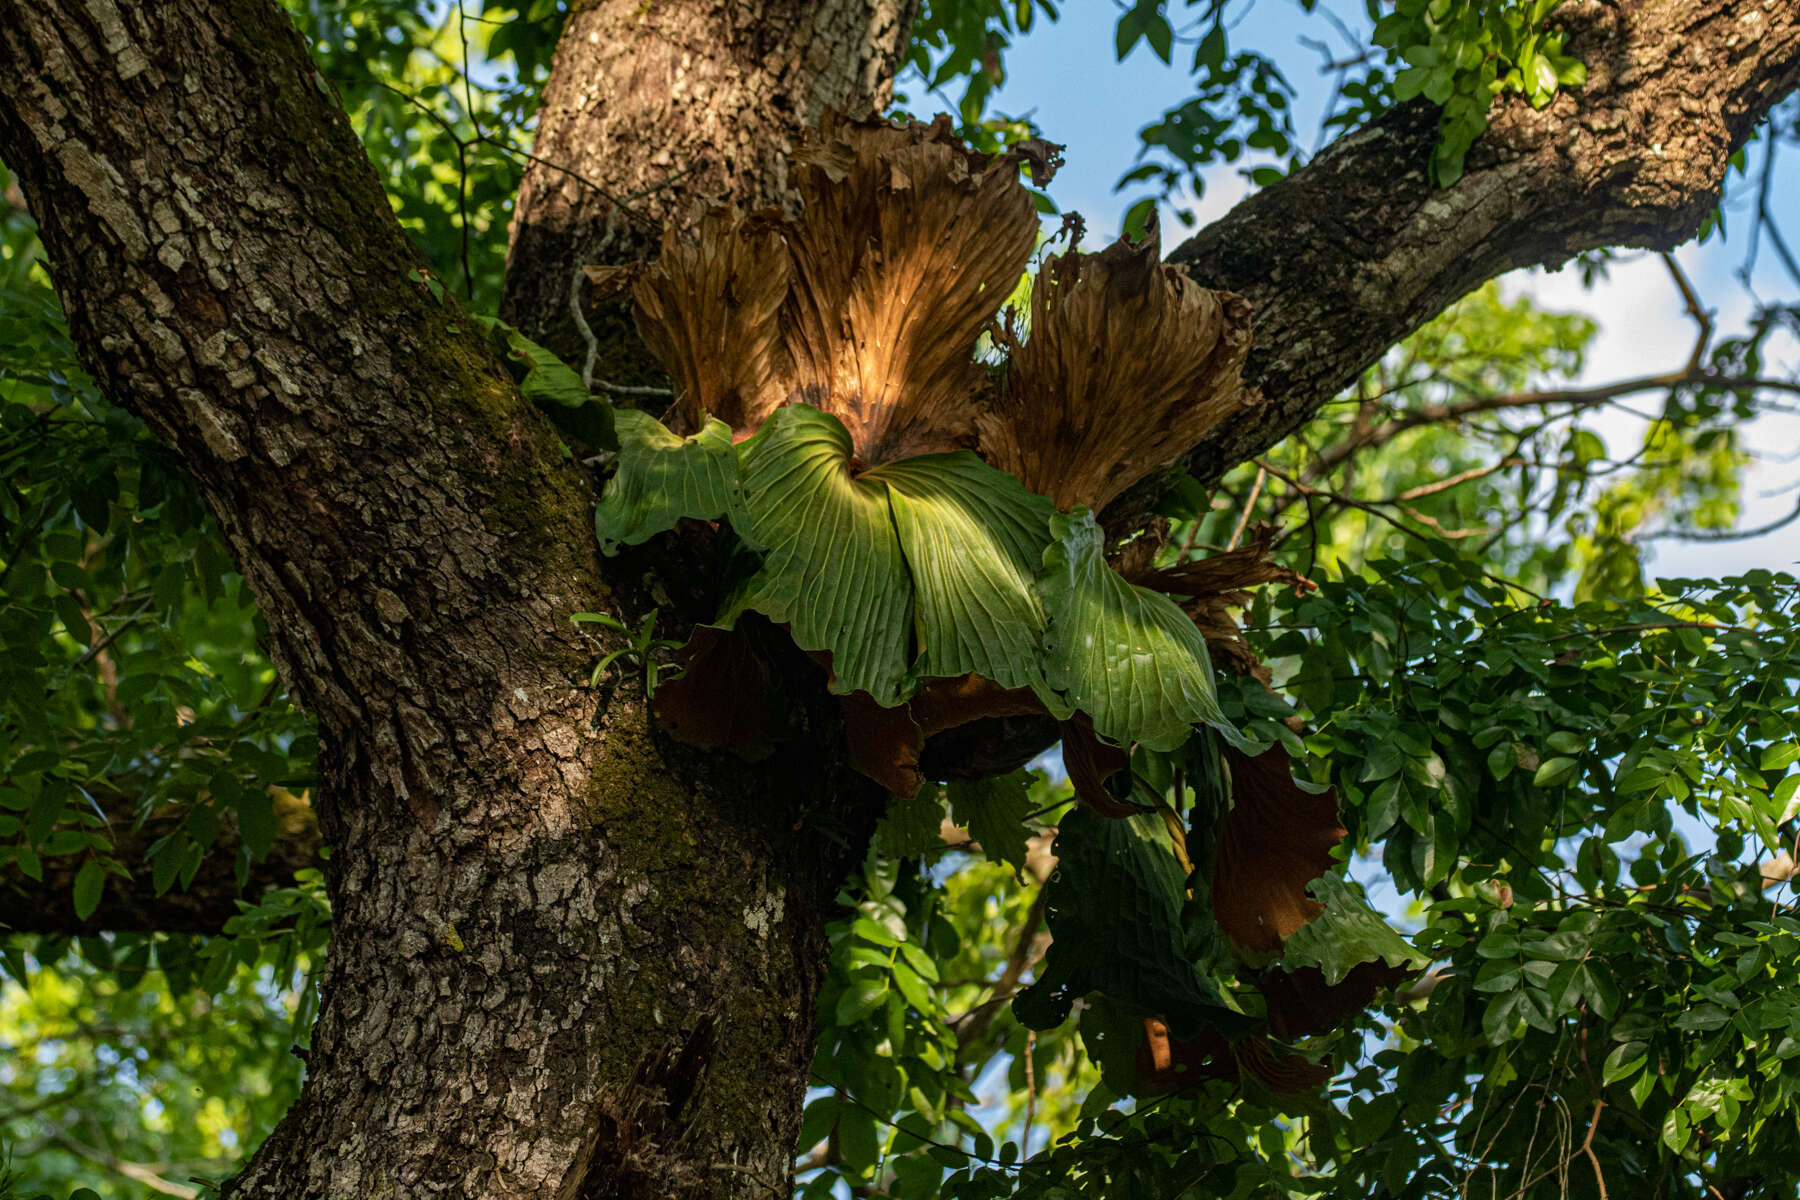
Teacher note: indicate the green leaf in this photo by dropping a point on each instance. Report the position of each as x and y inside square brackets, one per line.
[1543, 75]
[74, 620]
[816, 1122]
[1346, 934]
[872, 931]
[861, 998]
[1114, 909]
[1624, 1061]
[994, 810]
[913, 989]
[90, 880]
[1161, 36]
[1566, 741]
[1780, 755]
[545, 379]
[832, 567]
[1503, 1013]
[1124, 655]
[256, 821]
[910, 828]
[859, 1141]
[662, 478]
[1555, 772]
[973, 538]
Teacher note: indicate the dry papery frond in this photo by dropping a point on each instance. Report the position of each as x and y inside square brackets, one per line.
[1276, 840]
[710, 311]
[1128, 363]
[868, 306]
[908, 246]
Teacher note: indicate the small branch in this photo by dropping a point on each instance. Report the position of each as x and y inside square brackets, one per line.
[1638, 628]
[1575, 399]
[136, 1172]
[1701, 316]
[1031, 1093]
[760, 1181]
[581, 322]
[1444, 485]
[1723, 535]
[1244, 516]
[1587, 1148]
[977, 1020]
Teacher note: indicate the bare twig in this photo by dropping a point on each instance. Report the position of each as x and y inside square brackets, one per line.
[143, 1173]
[1244, 516]
[1701, 316]
[1574, 399]
[1723, 535]
[1030, 1092]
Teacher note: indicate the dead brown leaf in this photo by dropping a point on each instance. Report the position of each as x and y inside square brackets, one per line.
[1126, 364]
[1276, 839]
[725, 699]
[709, 310]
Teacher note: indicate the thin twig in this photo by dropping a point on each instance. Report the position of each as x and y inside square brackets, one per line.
[1701, 316]
[1443, 485]
[748, 1173]
[1723, 535]
[1244, 516]
[583, 328]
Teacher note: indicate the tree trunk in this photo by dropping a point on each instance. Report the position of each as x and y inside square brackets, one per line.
[568, 958]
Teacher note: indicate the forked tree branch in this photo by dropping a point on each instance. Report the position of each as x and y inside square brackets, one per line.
[1357, 249]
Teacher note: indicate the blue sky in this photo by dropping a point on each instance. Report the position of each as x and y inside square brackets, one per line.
[1064, 74]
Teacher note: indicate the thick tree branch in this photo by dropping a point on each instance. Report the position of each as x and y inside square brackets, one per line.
[132, 905]
[1356, 250]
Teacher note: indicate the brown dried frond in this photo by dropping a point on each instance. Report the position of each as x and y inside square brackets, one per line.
[1300, 1003]
[1276, 840]
[710, 312]
[1127, 364]
[1090, 763]
[908, 245]
[1211, 587]
[725, 698]
[885, 743]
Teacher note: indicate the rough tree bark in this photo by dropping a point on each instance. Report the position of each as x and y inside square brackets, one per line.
[649, 107]
[571, 959]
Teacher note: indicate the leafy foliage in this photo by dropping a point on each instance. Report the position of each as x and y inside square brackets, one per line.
[1115, 926]
[1126, 656]
[934, 566]
[1461, 55]
[663, 477]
